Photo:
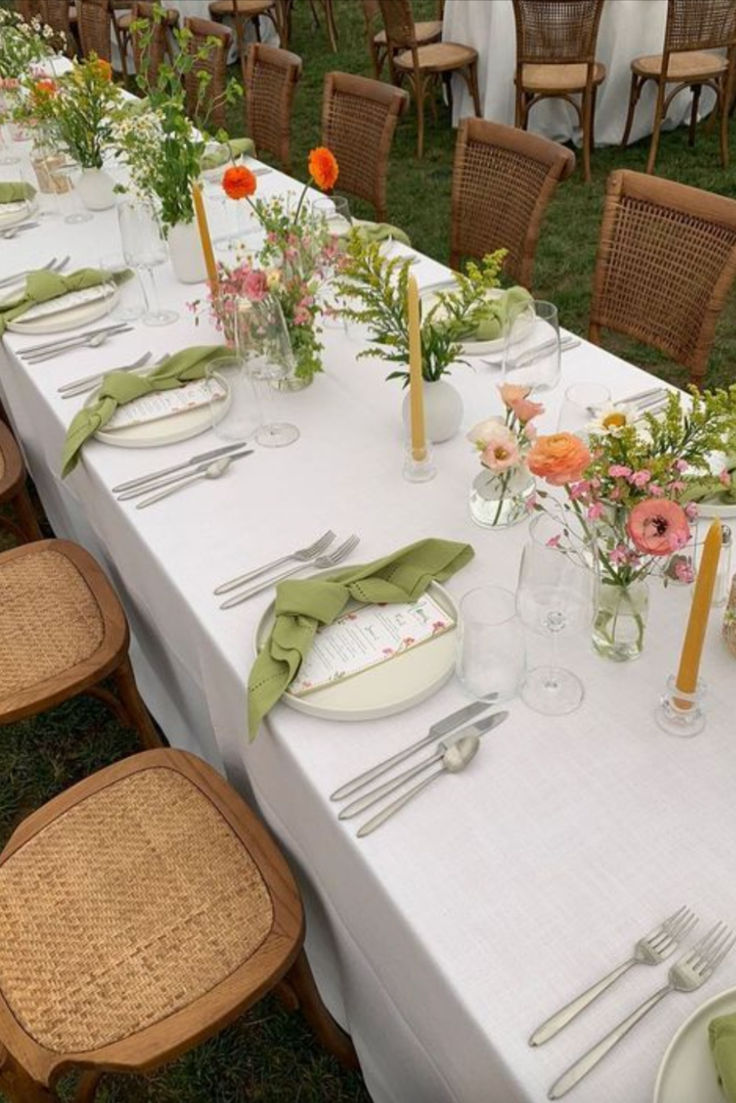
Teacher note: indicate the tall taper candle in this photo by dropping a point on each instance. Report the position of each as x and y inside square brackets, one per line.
[692, 648]
[204, 235]
[416, 383]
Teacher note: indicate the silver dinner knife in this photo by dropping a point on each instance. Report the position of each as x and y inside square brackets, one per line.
[442, 727]
[143, 480]
[170, 480]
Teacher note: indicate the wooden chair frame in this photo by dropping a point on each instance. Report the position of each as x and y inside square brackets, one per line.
[363, 176]
[203, 29]
[722, 84]
[160, 46]
[291, 66]
[686, 204]
[29, 1072]
[13, 490]
[241, 15]
[426, 32]
[89, 12]
[558, 163]
[527, 55]
[56, 15]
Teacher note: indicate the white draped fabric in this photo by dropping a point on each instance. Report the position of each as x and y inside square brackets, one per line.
[628, 29]
[443, 939]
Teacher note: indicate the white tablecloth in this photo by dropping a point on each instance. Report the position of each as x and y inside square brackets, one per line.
[628, 29]
[445, 938]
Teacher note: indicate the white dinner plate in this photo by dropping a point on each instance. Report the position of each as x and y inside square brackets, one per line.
[13, 213]
[62, 319]
[687, 1073]
[385, 689]
[481, 348]
[165, 430]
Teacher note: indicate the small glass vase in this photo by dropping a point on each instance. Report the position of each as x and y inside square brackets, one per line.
[620, 620]
[500, 500]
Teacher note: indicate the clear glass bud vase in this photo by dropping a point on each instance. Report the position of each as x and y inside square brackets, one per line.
[498, 500]
[620, 620]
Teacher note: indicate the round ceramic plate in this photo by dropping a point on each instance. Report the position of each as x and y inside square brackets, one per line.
[482, 348]
[164, 430]
[388, 688]
[687, 1073]
[13, 213]
[61, 319]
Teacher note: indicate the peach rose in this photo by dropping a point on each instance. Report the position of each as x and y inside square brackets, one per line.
[658, 527]
[559, 458]
[516, 398]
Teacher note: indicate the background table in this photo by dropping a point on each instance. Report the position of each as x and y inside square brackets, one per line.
[628, 29]
[445, 938]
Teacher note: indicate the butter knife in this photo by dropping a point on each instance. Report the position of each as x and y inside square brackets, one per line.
[442, 727]
[144, 480]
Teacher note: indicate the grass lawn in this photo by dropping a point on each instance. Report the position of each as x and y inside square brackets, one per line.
[269, 1055]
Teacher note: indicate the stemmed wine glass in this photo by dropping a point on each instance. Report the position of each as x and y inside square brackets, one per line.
[554, 598]
[144, 249]
[262, 340]
[532, 346]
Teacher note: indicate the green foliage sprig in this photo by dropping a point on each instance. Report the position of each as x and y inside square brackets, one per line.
[77, 110]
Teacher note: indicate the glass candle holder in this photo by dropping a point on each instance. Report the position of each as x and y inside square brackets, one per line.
[679, 713]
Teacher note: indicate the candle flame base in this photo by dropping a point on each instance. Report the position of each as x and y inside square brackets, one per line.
[418, 464]
[680, 713]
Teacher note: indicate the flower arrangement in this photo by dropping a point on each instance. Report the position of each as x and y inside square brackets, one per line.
[22, 43]
[378, 286]
[77, 109]
[628, 495]
[500, 492]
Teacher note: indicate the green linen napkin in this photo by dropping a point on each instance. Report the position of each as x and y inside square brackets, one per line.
[302, 606]
[722, 1039]
[227, 151]
[12, 191]
[496, 315]
[44, 285]
[117, 388]
[378, 231]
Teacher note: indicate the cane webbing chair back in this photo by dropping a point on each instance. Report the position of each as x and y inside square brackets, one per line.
[398, 19]
[94, 25]
[22, 522]
[56, 13]
[700, 25]
[208, 46]
[503, 180]
[666, 260]
[271, 77]
[359, 118]
[557, 31]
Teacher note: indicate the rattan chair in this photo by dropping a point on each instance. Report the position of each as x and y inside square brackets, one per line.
[555, 59]
[359, 118]
[502, 182]
[94, 23]
[426, 31]
[425, 66]
[62, 632]
[666, 260]
[271, 77]
[141, 911]
[13, 493]
[243, 12]
[63, 19]
[328, 10]
[29, 9]
[210, 57]
[156, 36]
[693, 26]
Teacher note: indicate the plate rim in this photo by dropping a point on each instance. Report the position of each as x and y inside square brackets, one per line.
[108, 301]
[656, 1097]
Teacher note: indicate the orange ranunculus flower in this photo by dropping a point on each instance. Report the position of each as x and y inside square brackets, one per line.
[323, 168]
[104, 68]
[44, 87]
[558, 459]
[238, 182]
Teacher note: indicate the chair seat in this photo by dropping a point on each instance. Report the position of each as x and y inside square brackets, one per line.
[248, 8]
[428, 31]
[438, 57]
[559, 78]
[126, 907]
[685, 65]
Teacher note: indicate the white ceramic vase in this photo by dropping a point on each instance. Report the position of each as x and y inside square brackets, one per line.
[96, 189]
[443, 410]
[185, 251]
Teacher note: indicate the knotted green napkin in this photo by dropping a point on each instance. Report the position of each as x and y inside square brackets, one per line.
[722, 1039]
[301, 607]
[378, 231]
[42, 286]
[118, 387]
[227, 151]
[12, 191]
[496, 314]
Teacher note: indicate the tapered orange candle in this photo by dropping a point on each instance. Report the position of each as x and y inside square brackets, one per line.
[204, 236]
[692, 648]
[416, 383]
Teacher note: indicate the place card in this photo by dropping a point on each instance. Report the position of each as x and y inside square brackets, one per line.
[367, 636]
[161, 404]
[69, 301]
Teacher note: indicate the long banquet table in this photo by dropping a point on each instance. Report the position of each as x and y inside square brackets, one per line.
[443, 939]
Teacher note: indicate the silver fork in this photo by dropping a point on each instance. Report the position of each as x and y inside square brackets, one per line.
[89, 382]
[302, 555]
[323, 562]
[19, 227]
[692, 970]
[90, 341]
[566, 343]
[652, 949]
[52, 265]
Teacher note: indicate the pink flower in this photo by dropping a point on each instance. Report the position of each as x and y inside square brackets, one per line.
[619, 554]
[658, 527]
[595, 511]
[691, 511]
[302, 317]
[655, 490]
[684, 571]
[640, 478]
[725, 476]
[531, 503]
[499, 446]
[255, 286]
[554, 541]
[680, 465]
[516, 399]
[676, 486]
[619, 471]
[578, 490]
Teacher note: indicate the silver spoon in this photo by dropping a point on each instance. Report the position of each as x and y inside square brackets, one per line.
[17, 229]
[455, 759]
[219, 467]
[93, 342]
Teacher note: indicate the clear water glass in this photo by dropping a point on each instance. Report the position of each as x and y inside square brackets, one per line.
[336, 212]
[144, 249]
[76, 211]
[242, 417]
[553, 598]
[532, 346]
[131, 303]
[491, 656]
[262, 340]
[583, 402]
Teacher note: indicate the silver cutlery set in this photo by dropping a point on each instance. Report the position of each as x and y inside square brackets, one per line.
[92, 338]
[167, 480]
[19, 228]
[52, 265]
[457, 743]
[689, 972]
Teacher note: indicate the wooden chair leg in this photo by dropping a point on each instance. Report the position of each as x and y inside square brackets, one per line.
[587, 111]
[419, 96]
[696, 90]
[725, 91]
[326, 1030]
[87, 1086]
[134, 707]
[634, 93]
[17, 1086]
[591, 132]
[27, 520]
[474, 90]
[331, 24]
[658, 113]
